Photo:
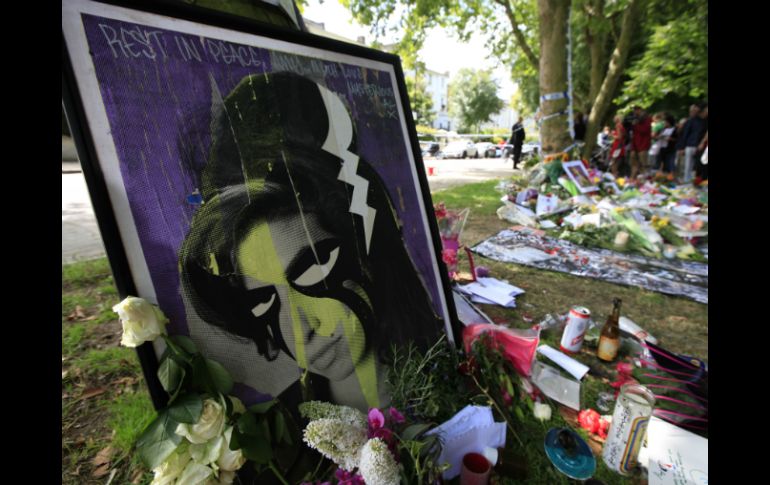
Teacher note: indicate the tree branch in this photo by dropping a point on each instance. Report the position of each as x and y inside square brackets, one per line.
[520, 39]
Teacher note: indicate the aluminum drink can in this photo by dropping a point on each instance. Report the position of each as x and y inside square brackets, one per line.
[628, 429]
[577, 325]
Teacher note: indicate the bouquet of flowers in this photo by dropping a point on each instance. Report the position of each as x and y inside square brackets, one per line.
[204, 435]
[450, 226]
[376, 449]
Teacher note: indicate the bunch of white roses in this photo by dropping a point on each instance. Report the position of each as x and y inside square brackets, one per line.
[204, 456]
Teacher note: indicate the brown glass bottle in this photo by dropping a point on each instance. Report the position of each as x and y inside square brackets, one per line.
[609, 340]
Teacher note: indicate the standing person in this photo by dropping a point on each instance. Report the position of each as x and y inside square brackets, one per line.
[580, 127]
[517, 140]
[618, 149]
[658, 123]
[701, 169]
[687, 146]
[667, 142]
[640, 141]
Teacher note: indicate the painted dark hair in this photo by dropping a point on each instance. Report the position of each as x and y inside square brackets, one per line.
[266, 161]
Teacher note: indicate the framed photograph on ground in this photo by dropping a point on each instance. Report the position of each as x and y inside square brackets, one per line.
[577, 172]
[263, 187]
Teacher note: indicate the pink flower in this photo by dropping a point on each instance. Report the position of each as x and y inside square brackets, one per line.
[384, 434]
[507, 399]
[449, 256]
[624, 368]
[376, 419]
[397, 417]
[344, 477]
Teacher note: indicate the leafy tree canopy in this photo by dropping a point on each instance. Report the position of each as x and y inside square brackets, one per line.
[473, 98]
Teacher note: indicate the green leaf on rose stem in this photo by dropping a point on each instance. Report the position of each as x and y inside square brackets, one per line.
[509, 386]
[519, 413]
[247, 425]
[280, 427]
[170, 374]
[265, 425]
[186, 343]
[263, 407]
[256, 448]
[158, 440]
[413, 431]
[221, 379]
[187, 409]
[201, 378]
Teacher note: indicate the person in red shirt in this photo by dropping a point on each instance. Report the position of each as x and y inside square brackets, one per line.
[617, 151]
[641, 139]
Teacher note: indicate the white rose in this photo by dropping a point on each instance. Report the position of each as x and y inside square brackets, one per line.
[195, 474]
[542, 411]
[208, 452]
[142, 321]
[225, 478]
[210, 425]
[230, 460]
[169, 470]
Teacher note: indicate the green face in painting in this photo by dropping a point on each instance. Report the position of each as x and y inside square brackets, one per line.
[286, 258]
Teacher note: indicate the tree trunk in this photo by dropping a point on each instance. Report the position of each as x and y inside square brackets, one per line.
[604, 97]
[597, 41]
[552, 15]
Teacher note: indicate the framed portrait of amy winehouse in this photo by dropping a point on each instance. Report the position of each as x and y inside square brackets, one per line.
[264, 188]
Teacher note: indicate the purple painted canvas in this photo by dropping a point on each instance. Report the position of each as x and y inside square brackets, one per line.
[276, 206]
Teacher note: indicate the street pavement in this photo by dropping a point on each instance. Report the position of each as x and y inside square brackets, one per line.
[81, 239]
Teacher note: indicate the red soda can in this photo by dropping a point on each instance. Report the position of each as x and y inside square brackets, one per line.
[577, 325]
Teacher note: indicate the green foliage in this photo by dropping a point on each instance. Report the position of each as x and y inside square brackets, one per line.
[654, 78]
[427, 386]
[473, 98]
[420, 100]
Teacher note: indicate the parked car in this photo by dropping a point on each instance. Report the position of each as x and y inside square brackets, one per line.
[429, 148]
[459, 149]
[486, 149]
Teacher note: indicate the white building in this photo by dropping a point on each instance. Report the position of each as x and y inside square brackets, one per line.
[503, 119]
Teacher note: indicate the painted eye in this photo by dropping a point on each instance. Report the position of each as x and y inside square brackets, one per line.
[317, 272]
[262, 308]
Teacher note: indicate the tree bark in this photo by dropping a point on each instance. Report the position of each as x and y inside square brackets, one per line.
[552, 15]
[597, 41]
[604, 97]
[517, 33]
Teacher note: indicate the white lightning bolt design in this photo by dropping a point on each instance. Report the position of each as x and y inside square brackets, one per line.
[337, 143]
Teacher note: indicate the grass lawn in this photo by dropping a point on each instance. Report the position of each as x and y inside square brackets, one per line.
[105, 403]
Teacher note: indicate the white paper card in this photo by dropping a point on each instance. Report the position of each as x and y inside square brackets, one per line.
[564, 361]
[471, 430]
[546, 204]
[675, 456]
[556, 387]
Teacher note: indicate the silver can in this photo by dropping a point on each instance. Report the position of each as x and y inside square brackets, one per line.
[575, 331]
[628, 429]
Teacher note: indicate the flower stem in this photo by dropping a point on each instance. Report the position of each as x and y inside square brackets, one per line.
[277, 473]
[494, 403]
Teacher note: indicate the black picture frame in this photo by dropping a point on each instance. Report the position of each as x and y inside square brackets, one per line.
[88, 133]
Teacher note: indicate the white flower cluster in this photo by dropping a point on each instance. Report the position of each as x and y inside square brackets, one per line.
[313, 410]
[204, 457]
[377, 466]
[542, 411]
[142, 321]
[339, 433]
[339, 441]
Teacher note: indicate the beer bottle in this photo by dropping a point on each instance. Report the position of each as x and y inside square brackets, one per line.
[609, 340]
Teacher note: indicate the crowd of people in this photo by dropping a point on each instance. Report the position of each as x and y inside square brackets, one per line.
[640, 142]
